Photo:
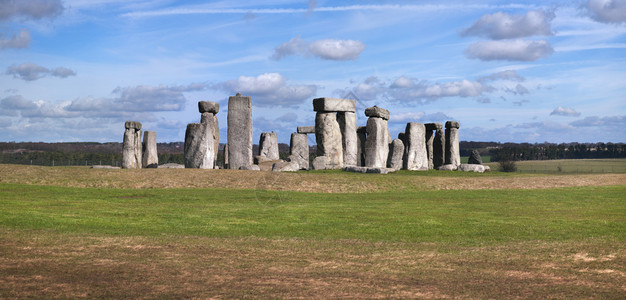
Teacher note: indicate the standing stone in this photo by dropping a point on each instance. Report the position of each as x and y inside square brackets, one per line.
[328, 138]
[199, 152]
[239, 131]
[416, 157]
[150, 158]
[377, 112]
[376, 144]
[361, 137]
[225, 156]
[208, 111]
[347, 124]
[475, 158]
[299, 150]
[453, 154]
[396, 152]
[430, 139]
[268, 145]
[439, 146]
[132, 148]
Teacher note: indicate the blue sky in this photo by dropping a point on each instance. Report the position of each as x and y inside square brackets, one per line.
[525, 71]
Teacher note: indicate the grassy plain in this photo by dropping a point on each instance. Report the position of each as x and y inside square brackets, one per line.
[77, 232]
[572, 166]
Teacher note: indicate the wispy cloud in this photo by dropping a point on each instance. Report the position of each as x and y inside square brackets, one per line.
[31, 72]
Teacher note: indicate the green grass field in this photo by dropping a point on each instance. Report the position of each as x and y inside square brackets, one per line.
[476, 240]
[570, 166]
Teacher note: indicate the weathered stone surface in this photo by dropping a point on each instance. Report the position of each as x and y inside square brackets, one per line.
[433, 126]
[475, 158]
[370, 170]
[376, 144]
[471, 168]
[334, 105]
[453, 154]
[250, 168]
[259, 159]
[430, 138]
[208, 107]
[377, 112]
[132, 125]
[199, 152]
[416, 156]
[447, 168]
[439, 146]
[268, 145]
[347, 125]
[306, 129]
[360, 152]
[319, 163]
[132, 148]
[171, 166]
[104, 167]
[226, 156]
[299, 150]
[150, 157]
[329, 140]
[266, 166]
[239, 131]
[396, 152]
[286, 166]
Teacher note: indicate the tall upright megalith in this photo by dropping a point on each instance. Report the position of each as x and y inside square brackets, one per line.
[208, 111]
[335, 122]
[299, 150]
[361, 133]
[268, 145]
[416, 156]
[396, 152]
[376, 142]
[347, 125]
[199, 152]
[239, 131]
[430, 140]
[328, 138]
[453, 154]
[439, 146]
[132, 148]
[150, 158]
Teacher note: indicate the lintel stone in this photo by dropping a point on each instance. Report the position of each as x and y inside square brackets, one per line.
[433, 126]
[334, 105]
[452, 124]
[377, 112]
[208, 106]
[133, 125]
[306, 129]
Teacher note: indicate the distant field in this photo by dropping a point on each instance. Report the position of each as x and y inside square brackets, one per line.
[570, 166]
[74, 232]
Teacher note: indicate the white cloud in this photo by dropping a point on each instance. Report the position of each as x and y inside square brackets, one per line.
[268, 89]
[518, 90]
[510, 75]
[21, 40]
[501, 25]
[17, 102]
[512, 50]
[607, 11]
[594, 121]
[413, 89]
[31, 71]
[563, 111]
[329, 49]
[337, 49]
[31, 9]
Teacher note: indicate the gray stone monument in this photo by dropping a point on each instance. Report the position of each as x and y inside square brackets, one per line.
[396, 152]
[132, 148]
[362, 137]
[416, 156]
[306, 129]
[199, 152]
[239, 131]
[150, 157]
[299, 150]
[439, 146]
[430, 139]
[453, 154]
[475, 158]
[268, 145]
[329, 140]
[329, 134]
[208, 111]
[347, 125]
[376, 143]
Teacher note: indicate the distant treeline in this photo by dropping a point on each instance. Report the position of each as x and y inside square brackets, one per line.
[544, 151]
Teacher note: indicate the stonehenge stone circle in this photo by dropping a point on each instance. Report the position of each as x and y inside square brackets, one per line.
[475, 158]
[361, 133]
[376, 144]
[334, 105]
[268, 145]
[306, 129]
[369, 170]
[396, 152]
[329, 139]
[150, 158]
[377, 112]
[430, 139]
[453, 154]
[415, 148]
[347, 125]
[439, 146]
[199, 152]
[239, 131]
[132, 148]
[299, 150]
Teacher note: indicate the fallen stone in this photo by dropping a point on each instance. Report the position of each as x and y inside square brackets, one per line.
[347, 125]
[415, 148]
[306, 129]
[377, 112]
[132, 149]
[471, 168]
[299, 150]
[171, 166]
[208, 107]
[268, 145]
[150, 158]
[198, 151]
[319, 163]
[239, 131]
[370, 170]
[250, 168]
[334, 105]
[104, 167]
[475, 158]
[376, 144]
[329, 139]
[259, 159]
[396, 152]
[487, 168]
[447, 168]
[286, 166]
